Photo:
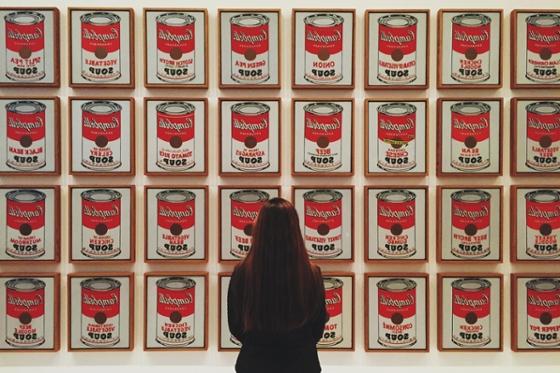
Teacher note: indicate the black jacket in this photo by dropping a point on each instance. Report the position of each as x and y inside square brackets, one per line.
[262, 352]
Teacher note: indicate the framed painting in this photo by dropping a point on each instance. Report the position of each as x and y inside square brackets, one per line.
[326, 221]
[176, 136]
[30, 224]
[396, 223]
[31, 130]
[397, 312]
[30, 47]
[175, 48]
[469, 223]
[101, 47]
[176, 224]
[175, 311]
[470, 48]
[396, 134]
[397, 49]
[249, 50]
[250, 137]
[323, 48]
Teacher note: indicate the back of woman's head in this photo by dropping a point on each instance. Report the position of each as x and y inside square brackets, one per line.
[279, 284]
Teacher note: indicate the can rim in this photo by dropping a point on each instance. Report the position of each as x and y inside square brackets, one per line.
[411, 20]
[534, 283]
[89, 282]
[384, 284]
[38, 284]
[115, 107]
[311, 108]
[12, 195]
[163, 18]
[262, 18]
[533, 107]
[459, 284]
[240, 106]
[163, 195]
[111, 18]
[37, 17]
[114, 194]
[335, 195]
[39, 106]
[188, 282]
[384, 109]
[332, 283]
[532, 195]
[460, 106]
[459, 194]
[164, 107]
[532, 19]
[408, 194]
[459, 19]
[261, 194]
[310, 19]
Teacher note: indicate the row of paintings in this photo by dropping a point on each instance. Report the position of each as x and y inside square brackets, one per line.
[396, 315]
[102, 223]
[469, 134]
[323, 40]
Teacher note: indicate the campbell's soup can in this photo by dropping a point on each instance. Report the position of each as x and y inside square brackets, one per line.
[175, 311]
[396, 223]
[250, 48]
[471, 312]
[176, 223]
[101, 135]
[323, 136]
[470, 56]
[396, 306]
[101, 46]
[175, 47]
[250, 132]
[543, 312]
[100, 322]
[543, 223]
[397, 49]
[25, 135]
[101, 223]
[25, 223]
[470, 224]
[235, 341]
[323, 223]
[543, 136]
[25, 46]
[245, 206]
[25, 312]
[470, 136]
[175, 135]
[332, 334]
[323, 48]
[396, 136]
[543, 47]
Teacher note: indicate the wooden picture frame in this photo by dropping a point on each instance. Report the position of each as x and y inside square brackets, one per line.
[226, 248]
[50, 314]
[487, 68]
[126, 304]
[519, 63]
[326, 110]
[51, 255]
[470, 229]
[344, 334]
[172, 345]
[520, 316]
[52, 33]
[493, 313]
[334, 72]
[149, 236]
[344, 249]
[169, 73]
[544, 229]
[107, 230]
[418, 311]
[259, 20]
[480, 152]
[253, 158]
[46, 109]
[116, 76]
[394, 76]
[179, 111]
[396, 112]
[544, 115]
[114, 108]
[407, 195]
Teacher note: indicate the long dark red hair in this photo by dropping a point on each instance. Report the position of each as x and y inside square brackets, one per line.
[279, 284]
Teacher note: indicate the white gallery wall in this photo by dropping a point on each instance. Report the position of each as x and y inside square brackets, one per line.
[211, 357]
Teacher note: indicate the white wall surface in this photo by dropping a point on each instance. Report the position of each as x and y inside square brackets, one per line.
[213, 360]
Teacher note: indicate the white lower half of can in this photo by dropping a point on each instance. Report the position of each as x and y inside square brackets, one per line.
[543, 71]
[470, 71]
[240, 243]
[28, 335]
[542, 247]
[254, 159]
[323, 72]
[101, 246]
[543, 159]
[470, 247]
[101, 70]
[471, 335]
[332, 334]
[25, 69]
[175, 71]
[473, 159]
[175, 334]
[101, 159]
[100, 335]
[402, 72]
[179, 159]
[396, 159]
[540, 335]
[322, 159]
[327, 246]
[26, 159]
[176, 246]
[397, 336]
[25, 247]
[249, 72]
[400, 246]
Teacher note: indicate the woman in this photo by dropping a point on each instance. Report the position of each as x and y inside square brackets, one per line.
[276, 297]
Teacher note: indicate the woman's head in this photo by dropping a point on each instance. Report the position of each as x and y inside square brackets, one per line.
[278, 275]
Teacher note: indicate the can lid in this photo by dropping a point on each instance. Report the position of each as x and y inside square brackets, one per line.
[175, 19]
[101, 195]
[543, 195]
[397, 20]
[250, 108]
[544, 108]
[100, 283]
[24, 17]
[396, 284]
[471, 195]
[100, 18]
[471, 284]
[26, 195]
[323, 108]
[396, 195]
[250, 196]
[249, 20]
[395, 109]
[175, 108]
[543, 284]
[176, 283]
[176, 195]
[544, 19]
[26, 107]
[332, 283]
[25, 284]
[100, 107]
[471, 19]
[323, 20]
[322, 195]
[470, 108]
